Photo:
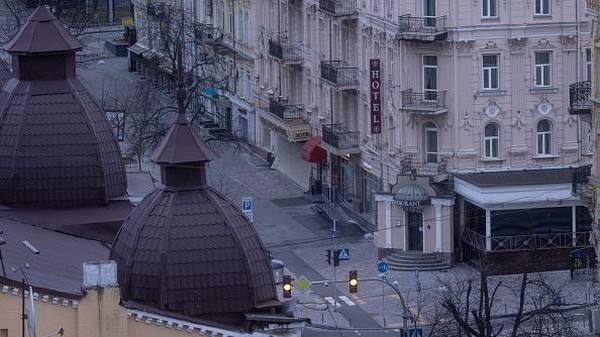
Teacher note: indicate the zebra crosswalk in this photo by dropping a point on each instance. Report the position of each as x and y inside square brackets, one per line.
[338, 302]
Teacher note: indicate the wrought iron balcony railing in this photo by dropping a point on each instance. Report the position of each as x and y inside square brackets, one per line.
[285, 111]
[579, 98]
[339, 137]
[580, 179]
[339, 73]
[286, 51]
[424, 168]
[422, 28]
[339, 7]
[206, 33]
[429, 102]
[526, 242]
[593, 5]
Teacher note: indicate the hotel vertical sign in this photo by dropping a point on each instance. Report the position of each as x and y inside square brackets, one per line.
[375, 77]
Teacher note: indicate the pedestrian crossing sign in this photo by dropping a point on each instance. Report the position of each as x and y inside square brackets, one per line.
[343, 254]
[415, 332]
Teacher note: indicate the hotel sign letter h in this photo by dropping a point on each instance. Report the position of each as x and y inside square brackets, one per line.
[375, 81]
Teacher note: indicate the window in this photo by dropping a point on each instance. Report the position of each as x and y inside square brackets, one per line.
[588, 64]
[430, 78]
[429, 13]
[588, 144]
[542, 7]
[542, 69]
[492, 138]
[489, 9]
[544, 138]
[431, 143]
[490, 72]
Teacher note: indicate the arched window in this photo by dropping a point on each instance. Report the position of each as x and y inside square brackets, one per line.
[544, 137]
[431, 143]
[492, 140]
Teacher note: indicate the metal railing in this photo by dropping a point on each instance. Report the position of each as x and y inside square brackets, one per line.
[285, 111]
[579, 97]
[338, 7]
[425, 25]
[283, 50]
[340, 138]
[527, 242]
[580, 179]
[339, 73]
[431, 101]
[593, 4]
[204, 32]
[424, 168]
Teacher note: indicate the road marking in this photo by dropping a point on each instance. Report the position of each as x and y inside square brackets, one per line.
[347, 300]
[331, 301]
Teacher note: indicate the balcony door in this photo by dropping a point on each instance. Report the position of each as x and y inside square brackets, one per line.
[430, 85]
[429, 13]
[431, 143]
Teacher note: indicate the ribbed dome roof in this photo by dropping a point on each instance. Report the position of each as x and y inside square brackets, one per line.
[56, 146]
[192, 252]
[411, 192]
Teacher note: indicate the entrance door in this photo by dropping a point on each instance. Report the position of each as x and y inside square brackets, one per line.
[415, 231]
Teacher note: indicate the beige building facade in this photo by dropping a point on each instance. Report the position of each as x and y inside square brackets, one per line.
[467, 88]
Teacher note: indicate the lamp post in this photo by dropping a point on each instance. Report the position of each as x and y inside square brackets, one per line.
[23, 280]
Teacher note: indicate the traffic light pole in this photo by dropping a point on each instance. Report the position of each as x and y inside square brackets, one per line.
[335, 259]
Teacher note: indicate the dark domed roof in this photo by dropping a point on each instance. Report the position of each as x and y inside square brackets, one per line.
[56, 146]
[192, 252]
[186, 248]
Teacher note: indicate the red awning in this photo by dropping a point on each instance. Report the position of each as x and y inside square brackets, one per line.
[312, 152]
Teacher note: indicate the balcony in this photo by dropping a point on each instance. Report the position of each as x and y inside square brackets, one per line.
[340, 140]
[436, 171]
[579, 98]
[580, 180]
[340, 74]
[427, 103]
[339, 8]
[285, 111]
[282, 49]
[422, 29]
[206, 33]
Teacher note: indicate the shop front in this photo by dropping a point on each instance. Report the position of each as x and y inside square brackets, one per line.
[415, 218]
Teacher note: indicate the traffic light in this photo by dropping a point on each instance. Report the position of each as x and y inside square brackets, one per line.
[336, 257]
[328, 256]
[287, 286]
[353, 281]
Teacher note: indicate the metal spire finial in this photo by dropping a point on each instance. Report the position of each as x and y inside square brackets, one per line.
[180, 93]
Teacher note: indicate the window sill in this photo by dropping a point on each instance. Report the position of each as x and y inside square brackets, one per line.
[542, 16]
[546, 156]
[541, 90]
[491, 92]
[490, 19]
[492, 160]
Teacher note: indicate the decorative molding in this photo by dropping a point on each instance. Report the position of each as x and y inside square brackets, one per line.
[519, 124]
[543, 43]
[367, 30]
[491, 44]
[382, 35]
[466, 122]
[517, 43]
[492, 110]
[311, 8]
[544, 106]
[568, 41]
[465, 46]
[62, 301]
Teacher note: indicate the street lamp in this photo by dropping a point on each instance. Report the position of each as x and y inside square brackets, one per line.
[23, 280]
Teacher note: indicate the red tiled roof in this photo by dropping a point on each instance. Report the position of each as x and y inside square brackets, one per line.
[192, 252]
[42, 34]
[56, 146]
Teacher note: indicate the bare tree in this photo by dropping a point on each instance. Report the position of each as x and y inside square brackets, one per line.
[531, 306]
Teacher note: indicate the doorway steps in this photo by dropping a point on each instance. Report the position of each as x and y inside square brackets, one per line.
[408, 261]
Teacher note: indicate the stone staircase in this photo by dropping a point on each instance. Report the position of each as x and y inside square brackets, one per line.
[408, 261]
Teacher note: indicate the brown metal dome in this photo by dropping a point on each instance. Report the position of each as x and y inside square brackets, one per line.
[56, 146]
[186, 248]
